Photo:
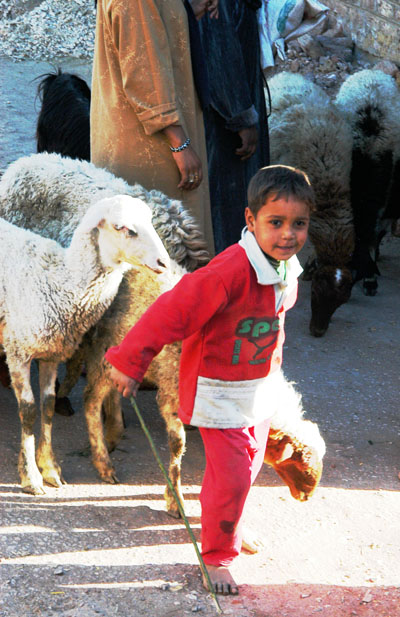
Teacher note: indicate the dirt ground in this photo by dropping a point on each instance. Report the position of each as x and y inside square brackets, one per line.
[89, 549]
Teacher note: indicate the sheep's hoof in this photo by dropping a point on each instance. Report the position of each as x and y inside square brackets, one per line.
[53, 479]
[110, 478]
[30, 476]
[370, 287]
[111, 444]
[49, 468]
[63, 406]
[317, 331]
[33, 490]
[172, 506]
[173, 511]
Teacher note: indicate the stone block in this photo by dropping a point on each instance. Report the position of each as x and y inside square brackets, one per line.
[372, 24]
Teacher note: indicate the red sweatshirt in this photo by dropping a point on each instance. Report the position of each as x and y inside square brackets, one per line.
[232, 331]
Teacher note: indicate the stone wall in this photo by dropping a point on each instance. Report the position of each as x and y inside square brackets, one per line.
[373, 24]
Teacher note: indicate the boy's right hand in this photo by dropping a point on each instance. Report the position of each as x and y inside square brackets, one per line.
[123, 383]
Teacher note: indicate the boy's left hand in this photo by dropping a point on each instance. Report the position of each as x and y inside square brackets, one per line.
[127, 386]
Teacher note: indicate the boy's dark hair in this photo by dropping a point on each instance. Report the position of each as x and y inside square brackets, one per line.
[279, 181]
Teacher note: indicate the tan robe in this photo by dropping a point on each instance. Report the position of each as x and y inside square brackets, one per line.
[143, 82]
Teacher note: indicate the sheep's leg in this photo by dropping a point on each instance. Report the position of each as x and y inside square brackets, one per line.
[73, 372]
[176, 441]
[31, 479]
[46, 461]
[114, 421]
[95, 393]
[310, 268]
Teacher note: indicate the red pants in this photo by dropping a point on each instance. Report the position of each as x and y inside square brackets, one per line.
[233, 459]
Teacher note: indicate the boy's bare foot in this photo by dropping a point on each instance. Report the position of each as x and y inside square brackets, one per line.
[221, 580]
[250, 543]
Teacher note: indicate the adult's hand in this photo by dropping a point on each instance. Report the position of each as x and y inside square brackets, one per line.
[190, 168]
[249, 137]
[187, 161]
[124, 384]
[201, 7]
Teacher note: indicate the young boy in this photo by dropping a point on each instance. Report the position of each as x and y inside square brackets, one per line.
[230, 316]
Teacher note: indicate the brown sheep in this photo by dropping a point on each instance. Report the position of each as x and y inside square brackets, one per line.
[138, 290]
[308, 132]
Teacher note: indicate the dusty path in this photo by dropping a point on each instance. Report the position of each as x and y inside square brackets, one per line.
[90, 549]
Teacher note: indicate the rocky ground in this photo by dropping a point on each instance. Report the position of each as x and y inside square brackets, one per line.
[329, 58]
[46, 30]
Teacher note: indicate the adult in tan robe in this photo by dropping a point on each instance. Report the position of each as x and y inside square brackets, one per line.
[144, 101]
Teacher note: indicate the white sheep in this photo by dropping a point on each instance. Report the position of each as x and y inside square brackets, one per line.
[308, 132]
[370, 102]
[49, 194]
[64, 292]
[290, 88]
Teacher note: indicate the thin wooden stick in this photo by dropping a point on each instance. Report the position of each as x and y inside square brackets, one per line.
[180, 507]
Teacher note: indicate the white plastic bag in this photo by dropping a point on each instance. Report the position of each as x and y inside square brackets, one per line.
[280, 21]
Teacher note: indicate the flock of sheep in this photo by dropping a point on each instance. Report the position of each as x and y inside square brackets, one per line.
[92, 253]
[350, 148]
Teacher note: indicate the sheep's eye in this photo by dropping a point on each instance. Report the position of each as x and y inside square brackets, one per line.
[129, 232]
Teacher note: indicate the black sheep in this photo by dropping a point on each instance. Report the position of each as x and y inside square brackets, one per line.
[370, 100]
[63, 124]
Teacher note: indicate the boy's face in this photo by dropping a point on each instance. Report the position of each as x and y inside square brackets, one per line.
[281, 226]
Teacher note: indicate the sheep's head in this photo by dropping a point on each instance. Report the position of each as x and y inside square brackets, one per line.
[330, 288]
[298, 464]
[126, 233]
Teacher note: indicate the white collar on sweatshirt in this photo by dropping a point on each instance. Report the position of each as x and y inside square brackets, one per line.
[265, 272]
